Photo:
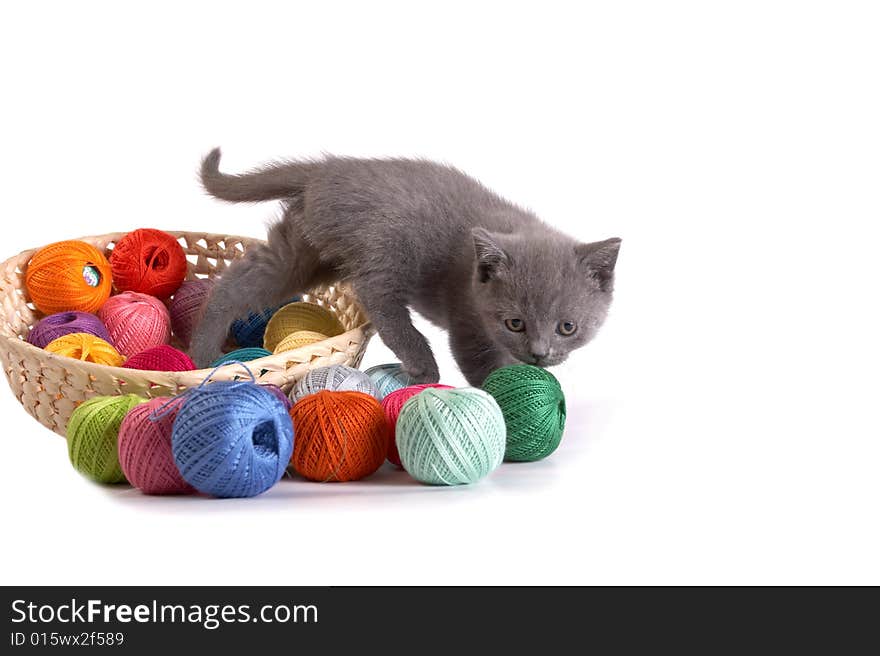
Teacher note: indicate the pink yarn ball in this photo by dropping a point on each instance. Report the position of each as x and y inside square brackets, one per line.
[160, 358]
[185, 306]
[135, 322]
[145, 448]
[392, 405]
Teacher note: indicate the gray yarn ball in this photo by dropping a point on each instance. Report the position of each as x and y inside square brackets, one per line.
[336, 378]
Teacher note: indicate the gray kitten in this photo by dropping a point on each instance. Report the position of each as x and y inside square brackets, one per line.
[413, 233]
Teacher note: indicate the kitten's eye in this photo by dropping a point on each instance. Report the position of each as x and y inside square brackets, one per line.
[515, 325]
[566, 328]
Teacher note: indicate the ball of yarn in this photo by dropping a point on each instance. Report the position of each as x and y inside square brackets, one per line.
[298, 339]
[64, 323]
[389, 377]
[392, 405]
[92, 435]
[68, 275]
[533, 406]
[340, 436]
[300, 316]
[279, 394]
[86, 347]
[335, 378]
[160, 358]
[450, 437]
[135, 322]
[186, 306]
[241, 355]
[232, 439]
[148, 261]
[144, 447]
[249, 332]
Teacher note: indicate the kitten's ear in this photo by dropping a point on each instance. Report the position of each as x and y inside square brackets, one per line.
[598, 260]
[490, 256]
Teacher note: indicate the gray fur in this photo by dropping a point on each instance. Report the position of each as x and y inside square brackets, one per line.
[414, 234]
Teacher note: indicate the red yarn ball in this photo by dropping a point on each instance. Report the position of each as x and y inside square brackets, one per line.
[148, 261]
[160, 358]
[144, 444]
[135, 322]
[392, 405]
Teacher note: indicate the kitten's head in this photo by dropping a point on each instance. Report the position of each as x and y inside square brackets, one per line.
[542, 296]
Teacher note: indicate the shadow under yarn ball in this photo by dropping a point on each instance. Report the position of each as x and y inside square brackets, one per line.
[64, 323]
[533, 406]
[68, 275]
[232, 439]
[144, 444]
[450, 437]
[92, 434]
[148, 261]
[389, 378]
[340, 436]
[135, 322]
[335, 378]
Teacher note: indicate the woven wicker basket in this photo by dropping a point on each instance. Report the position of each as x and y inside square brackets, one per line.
[50, 386]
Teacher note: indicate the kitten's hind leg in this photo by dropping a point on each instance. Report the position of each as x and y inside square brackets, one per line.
[391, 317]
[267, 275]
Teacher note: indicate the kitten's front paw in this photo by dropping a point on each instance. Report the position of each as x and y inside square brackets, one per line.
[423, 374]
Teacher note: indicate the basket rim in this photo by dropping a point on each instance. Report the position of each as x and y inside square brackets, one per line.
[274, 360]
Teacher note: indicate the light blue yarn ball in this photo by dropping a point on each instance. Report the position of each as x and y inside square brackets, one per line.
[232, 439]
[450, 436]
[389, 378]
[241, 355]
[335, 378]
[248, 332]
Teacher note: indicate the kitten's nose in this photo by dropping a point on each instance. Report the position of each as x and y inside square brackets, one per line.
[538, 350]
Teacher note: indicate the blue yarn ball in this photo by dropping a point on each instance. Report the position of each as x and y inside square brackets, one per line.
[241, 355]
[389, 378]
[232, 439]
[248, 332]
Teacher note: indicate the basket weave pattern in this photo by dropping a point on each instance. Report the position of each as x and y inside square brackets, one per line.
[50, 386]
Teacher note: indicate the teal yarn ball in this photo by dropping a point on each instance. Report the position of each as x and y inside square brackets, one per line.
[450, 436]
[241, 355]
[534, 410]
[232, 439]
[389, 378]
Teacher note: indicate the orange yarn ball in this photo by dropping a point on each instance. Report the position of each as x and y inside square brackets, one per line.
[136, 322]
[68, 276]
[148, 261]
[340, 436]
[86, 347]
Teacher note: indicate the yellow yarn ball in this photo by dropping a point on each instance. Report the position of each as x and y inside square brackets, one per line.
[86, 347]
[295, 317]
[298, 339]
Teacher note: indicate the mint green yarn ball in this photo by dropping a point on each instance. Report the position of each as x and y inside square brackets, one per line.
[450, 436]
[534, 410]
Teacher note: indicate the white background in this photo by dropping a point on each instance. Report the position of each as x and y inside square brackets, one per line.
[722, 428]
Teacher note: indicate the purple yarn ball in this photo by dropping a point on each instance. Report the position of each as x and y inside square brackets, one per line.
[64, 323]
[186, 306]
[279, 393]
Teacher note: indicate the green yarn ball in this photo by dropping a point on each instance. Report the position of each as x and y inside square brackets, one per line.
[534, 410]
[450, 436]
[91, 436]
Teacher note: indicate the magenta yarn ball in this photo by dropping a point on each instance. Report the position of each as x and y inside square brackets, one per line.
[135, 322]
[64, 323]
[185, 307]
[144, 444]
[160, 358]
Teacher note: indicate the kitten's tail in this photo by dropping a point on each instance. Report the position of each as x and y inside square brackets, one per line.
[273, 182]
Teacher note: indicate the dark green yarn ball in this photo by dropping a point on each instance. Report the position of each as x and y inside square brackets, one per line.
[533, 406]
